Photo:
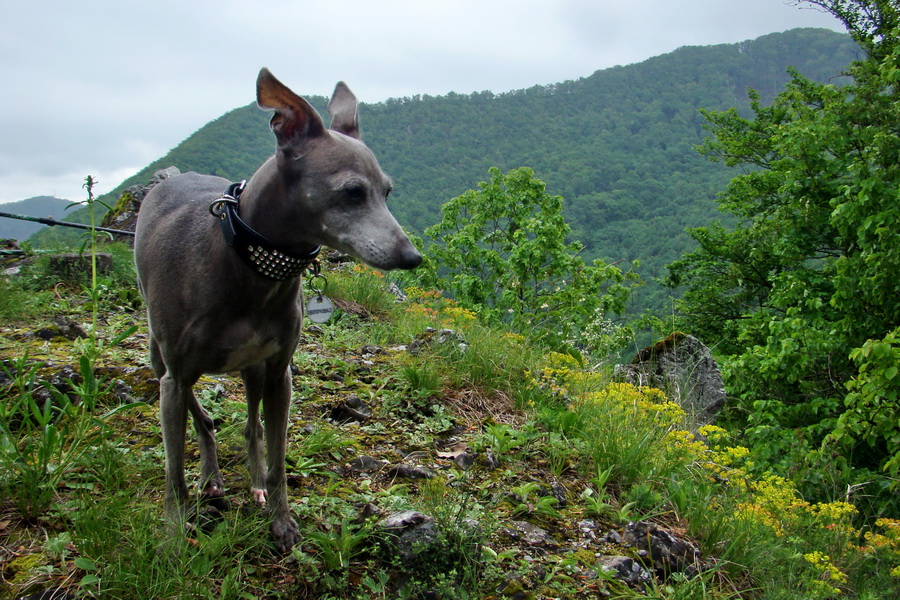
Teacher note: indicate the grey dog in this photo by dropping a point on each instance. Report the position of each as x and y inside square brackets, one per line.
[219, 273]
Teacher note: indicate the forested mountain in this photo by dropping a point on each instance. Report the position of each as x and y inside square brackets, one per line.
[618, 145]
[39, 206]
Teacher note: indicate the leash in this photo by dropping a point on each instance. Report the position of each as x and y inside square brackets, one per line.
[260, 253]
[53, 222]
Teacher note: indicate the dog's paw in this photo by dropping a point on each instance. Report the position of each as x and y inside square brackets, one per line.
[260, 497]
[214, 488]
[212, 497]
[286, 533]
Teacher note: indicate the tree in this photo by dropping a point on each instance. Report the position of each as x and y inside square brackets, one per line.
[802, 296]
[502, 251]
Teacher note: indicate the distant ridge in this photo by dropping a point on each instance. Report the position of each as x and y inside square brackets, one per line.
[39, 206]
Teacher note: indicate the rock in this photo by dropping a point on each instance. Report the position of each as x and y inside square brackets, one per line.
[464, 461]
[370, 350]
[558, 492]
[396, 291]
[411, 533]
[351, 409]
[367, 511]
[364, 464]
[63, 328]
[403, 520]
[667, 551]
[529, 533]
[124, 214]
[433, 336]
[683, 367]
[491, 461]
[624, 569]
[410, 472]
[613, 537]
[12, 257]
[123, 392]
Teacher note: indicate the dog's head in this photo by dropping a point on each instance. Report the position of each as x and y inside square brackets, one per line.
[332, 185]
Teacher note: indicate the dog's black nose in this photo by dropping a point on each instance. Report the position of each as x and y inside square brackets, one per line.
[410, 259]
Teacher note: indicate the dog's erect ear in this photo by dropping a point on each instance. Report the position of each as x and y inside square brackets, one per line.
[342, 107]
[295, 121]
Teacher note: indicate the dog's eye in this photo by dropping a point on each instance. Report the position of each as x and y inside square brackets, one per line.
[357, 193]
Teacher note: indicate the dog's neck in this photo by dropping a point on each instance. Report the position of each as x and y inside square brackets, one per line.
[262, 255]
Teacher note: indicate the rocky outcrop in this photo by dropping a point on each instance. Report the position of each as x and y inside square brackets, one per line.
[664, 549]
[683, 367]
[124, 214]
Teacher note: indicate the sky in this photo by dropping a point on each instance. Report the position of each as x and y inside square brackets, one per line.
[104, 87]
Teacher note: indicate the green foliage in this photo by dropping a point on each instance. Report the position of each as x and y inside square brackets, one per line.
[505, 253]
[873, 402]
[801, 296]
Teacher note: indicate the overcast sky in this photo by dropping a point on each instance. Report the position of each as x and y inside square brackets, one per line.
[104, 87]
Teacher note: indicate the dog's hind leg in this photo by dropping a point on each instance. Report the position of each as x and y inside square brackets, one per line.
[156, 361]
[254, 379]
[173, 407]
[212, 485]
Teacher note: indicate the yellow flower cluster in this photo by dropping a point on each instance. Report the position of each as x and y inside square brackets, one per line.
[562, 375]
[823, 562]
[458, 313]
[417, 294]
[422, 310]
[829, 576]
[361, 269]
[776, 503]
[685, 445]
[561, 360]
[887, 542]
[637, 402]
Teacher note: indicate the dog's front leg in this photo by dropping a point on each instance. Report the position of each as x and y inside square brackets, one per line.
[174, 398]
[277, 404]
[254, 380]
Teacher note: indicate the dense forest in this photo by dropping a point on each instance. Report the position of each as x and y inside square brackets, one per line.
[617, 145]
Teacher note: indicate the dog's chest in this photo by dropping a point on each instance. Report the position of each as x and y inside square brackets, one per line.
[251, 352]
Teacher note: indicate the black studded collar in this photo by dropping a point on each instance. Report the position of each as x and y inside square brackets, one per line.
[261, 254]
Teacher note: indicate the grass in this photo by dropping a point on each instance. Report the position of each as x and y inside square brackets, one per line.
[617, 453]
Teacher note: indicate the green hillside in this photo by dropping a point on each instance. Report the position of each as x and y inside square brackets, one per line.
[618, 145]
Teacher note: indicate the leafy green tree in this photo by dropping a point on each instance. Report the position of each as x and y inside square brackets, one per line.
[802, 296]
[502, 251]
